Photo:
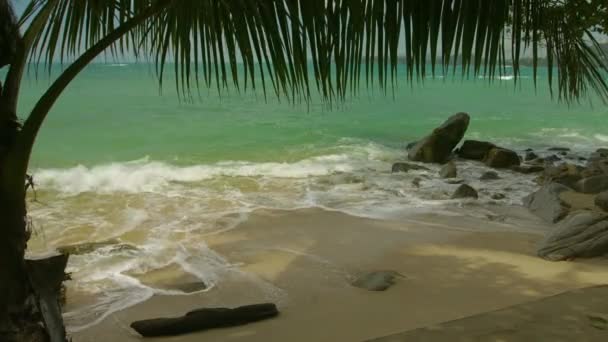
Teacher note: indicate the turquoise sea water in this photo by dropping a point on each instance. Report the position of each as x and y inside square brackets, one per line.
[115, 112]
[119, 161]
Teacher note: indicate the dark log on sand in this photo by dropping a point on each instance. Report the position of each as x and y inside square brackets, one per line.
[204, 319]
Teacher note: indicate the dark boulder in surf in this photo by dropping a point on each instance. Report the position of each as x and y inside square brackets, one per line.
[437, 147]
[474, 149]
[501, 158]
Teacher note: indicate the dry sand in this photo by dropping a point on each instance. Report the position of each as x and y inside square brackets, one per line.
[304, 261]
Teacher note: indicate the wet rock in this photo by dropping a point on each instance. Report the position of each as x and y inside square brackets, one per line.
[449, 170]
[583, 234]
[530, 156]
[416, 182]
[465, 191]
[474, 149]
[501, 158]
[592, 185]
[552, 158]
[489, 175]
[204, 319]
[565, 174]
[376, 281]
[438, 146]
[498, 196]
[405, 167]
[90, 247]
[410, 145]
[601, 200]
[527, 169]
[547, 204]
[558, 149]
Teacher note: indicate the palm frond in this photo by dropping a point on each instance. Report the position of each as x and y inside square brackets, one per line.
[290, 46]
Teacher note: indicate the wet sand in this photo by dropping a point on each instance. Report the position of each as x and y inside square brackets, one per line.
[304, 261]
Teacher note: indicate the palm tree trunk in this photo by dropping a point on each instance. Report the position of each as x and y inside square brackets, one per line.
[14, 286]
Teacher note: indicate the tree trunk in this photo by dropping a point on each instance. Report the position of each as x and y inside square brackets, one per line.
[14, 286]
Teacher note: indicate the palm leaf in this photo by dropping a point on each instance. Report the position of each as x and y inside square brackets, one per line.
[217, 43]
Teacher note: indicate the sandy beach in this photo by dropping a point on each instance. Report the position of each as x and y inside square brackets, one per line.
[305, 260]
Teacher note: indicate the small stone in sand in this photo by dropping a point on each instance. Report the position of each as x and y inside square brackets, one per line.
[376, 281]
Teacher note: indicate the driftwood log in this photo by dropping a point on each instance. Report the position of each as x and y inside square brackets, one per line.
[204, 319]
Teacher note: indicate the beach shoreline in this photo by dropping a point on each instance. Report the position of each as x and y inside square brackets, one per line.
[305, 260]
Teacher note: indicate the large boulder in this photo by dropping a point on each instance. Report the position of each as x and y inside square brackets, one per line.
[465, 191]
[547, 204]
[449, 170]
[565, 174]
[501, 158]
[437, 147]
[474, 149]
[592, 185]
[582, 234]
[602, 200]
[406, 167]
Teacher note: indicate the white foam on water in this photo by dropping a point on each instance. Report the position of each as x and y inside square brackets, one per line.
[601, 137]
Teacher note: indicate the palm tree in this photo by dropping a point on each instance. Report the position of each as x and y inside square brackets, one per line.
[295, 45]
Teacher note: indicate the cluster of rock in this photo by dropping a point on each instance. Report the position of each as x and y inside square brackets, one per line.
[571, 194]
[575, 197]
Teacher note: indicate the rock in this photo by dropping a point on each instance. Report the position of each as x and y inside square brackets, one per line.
[465, 191]
[601, 200]
[376, 281]
[552, 158]
[438, 146]
[416, 182]
[449, 170]
[405, 167]
[527, 169]
[204, 319]
[410, 145]
[530, 156]
[498, 196]
[501, 158]
[90, 247]
[583, 234]
[598, 165]
[592, 185]
[565, 174]
[558, 149]
[489, 175]
[474, 149]
[547, 204]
